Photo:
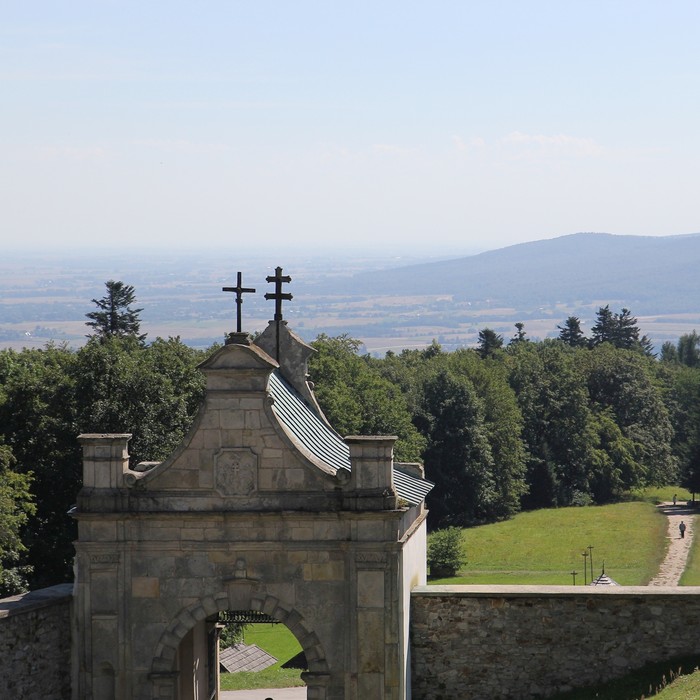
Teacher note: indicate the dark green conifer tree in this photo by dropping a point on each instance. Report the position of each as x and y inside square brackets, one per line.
[115, 318]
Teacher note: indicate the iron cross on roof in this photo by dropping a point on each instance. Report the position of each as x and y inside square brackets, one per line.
[239, 291]
[278, 295]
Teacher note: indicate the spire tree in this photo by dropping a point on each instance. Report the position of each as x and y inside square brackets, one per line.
[115, 318]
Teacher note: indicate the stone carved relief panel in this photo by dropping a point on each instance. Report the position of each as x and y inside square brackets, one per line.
[236, 471]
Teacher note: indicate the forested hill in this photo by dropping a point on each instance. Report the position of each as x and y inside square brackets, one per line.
[650, 274]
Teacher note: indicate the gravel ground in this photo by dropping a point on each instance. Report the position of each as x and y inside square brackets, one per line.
[678, 548]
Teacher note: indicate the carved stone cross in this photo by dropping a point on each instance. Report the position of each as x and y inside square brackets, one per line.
[277, 295]
[239, 292]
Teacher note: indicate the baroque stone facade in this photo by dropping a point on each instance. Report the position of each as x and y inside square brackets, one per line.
[263, 507]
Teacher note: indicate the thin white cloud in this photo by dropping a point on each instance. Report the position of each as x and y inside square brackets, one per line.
[71, 153]
[560, 143]
[181, 146]
[470, 145]
[393, 149]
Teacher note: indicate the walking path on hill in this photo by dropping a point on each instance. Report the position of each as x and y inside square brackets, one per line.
[676, 559]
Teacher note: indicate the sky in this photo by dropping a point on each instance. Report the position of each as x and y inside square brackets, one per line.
[432, 127]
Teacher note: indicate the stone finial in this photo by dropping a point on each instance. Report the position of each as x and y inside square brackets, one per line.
[372, 459]
[294, 356]
[105, 459]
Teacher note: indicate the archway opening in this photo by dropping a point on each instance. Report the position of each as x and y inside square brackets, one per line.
[186, 664]
[258, 651]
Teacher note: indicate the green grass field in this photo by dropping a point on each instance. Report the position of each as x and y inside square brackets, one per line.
[278, 641]
[543, 547]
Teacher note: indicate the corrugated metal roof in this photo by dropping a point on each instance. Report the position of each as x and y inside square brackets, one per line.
[242, 657]
[324, 443]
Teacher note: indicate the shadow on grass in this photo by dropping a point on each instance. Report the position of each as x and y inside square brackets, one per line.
[643, 683]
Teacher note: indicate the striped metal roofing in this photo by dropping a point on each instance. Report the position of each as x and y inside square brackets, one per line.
[324, 443]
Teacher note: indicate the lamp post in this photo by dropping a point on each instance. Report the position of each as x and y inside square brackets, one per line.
[585, 567]
[590, 554]
[573, 573]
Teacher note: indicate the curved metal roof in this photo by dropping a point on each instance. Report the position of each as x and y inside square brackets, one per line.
[307, 427]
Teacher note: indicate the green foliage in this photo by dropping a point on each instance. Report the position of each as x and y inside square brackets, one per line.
[684, 401]
[49, 396]
[446, 552]
[557, 422]
[691, 573]
[489, 342]
[152, 392]
[688, 350]
[15, 508]
[38, 421]
[625, 383]
[232, 633]
[458, 456]
[115, 319]
[357, 400]
[503, 424]
[618, 329]
[551, 423]
[571, 334]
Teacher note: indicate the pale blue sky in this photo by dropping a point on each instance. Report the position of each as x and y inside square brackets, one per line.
[441, 126]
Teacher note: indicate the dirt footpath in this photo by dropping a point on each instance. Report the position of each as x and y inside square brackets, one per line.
[678, 548]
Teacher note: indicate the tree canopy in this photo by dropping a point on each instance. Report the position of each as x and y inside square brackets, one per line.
[538, 424]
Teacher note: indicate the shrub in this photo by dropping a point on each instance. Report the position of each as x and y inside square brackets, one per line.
[445, 552]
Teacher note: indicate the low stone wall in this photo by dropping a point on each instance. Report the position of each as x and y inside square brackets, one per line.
[35, 645]
[519, 642]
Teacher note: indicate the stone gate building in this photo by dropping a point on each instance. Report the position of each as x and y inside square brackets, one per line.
[262, 508]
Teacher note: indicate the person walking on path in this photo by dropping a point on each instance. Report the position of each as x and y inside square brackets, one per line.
[681, 529]
[672, 567]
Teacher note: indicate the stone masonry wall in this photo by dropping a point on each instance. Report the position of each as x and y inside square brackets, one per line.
[35, 645]
[518, 642]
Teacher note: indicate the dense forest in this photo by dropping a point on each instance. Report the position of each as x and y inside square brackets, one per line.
[509, 425]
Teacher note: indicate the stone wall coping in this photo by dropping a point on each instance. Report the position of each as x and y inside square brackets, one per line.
[464, 591]
[243, 515]
[106, 437]
[35, 600]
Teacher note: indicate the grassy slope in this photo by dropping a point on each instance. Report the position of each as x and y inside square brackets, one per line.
[544, 547]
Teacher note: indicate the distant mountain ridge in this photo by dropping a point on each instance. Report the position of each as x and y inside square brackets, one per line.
[649, 274]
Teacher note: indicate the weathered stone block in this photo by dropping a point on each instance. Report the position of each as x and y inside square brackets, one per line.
[370, 589]
[324, 571]
[145, 587]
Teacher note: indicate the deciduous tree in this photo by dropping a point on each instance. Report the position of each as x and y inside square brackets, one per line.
[15, 508]
[458, 457]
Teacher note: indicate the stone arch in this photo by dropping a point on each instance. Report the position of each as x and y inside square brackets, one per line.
[243, 594]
